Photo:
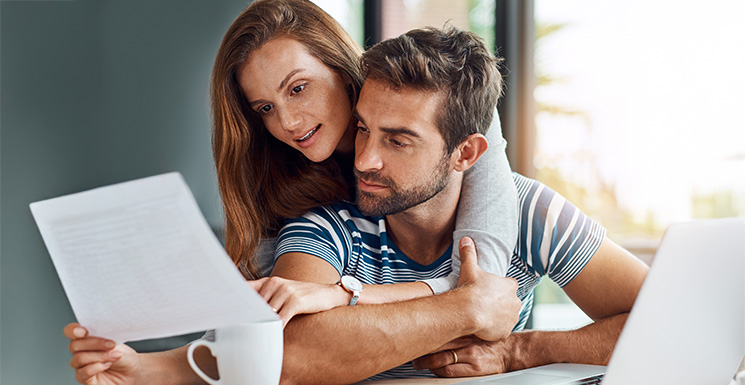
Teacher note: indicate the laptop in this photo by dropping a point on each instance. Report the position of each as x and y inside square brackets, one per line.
[687, 326]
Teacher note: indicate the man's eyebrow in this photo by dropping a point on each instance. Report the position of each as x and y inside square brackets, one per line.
[400, 131]
[390, 130]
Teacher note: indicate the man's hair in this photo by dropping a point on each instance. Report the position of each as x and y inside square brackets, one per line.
[449, 60]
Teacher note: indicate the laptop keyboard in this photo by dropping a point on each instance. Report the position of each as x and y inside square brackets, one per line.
[590, 380]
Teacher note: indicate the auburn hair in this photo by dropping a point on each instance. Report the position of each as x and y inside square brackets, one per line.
[261, 179]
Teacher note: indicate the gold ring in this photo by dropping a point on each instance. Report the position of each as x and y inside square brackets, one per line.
[455, 357]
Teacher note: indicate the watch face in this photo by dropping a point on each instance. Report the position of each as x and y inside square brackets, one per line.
[351, 283]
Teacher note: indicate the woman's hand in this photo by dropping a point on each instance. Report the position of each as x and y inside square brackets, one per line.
[289, 298]
[99, 361]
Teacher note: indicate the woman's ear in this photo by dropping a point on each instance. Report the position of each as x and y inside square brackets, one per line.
[469, 151]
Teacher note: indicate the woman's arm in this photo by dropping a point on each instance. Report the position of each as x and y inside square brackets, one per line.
[100, 361]
[291, 297]
[487, 211]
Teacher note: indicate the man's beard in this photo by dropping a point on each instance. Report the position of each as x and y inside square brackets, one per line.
[399, 200]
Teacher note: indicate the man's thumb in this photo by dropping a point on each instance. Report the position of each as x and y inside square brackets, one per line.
[468, 257]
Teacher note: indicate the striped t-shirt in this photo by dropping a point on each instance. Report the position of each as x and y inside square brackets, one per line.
[555, 239]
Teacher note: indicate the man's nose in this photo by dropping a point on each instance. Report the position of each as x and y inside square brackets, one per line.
[368, 156]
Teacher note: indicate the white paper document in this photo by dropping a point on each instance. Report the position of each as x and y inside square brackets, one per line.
[138, 261]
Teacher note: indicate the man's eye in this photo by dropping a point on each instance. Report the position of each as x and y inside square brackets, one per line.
[297, 89]
[397, 143]
[362, 129]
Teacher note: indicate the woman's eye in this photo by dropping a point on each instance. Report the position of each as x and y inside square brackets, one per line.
[297, 89]
[265, 109]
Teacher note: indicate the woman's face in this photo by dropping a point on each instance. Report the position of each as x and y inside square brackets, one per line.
[302, 102]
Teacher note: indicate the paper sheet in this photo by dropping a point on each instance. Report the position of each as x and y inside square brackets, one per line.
[138, 261]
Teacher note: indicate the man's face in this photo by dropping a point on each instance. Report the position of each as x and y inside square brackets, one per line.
[400, 159]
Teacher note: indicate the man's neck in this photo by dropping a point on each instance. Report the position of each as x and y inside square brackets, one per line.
[425, 232]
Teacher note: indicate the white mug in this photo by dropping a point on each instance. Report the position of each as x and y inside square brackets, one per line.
[249, 353]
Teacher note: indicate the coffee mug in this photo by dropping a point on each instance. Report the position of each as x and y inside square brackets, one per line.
[248, 353]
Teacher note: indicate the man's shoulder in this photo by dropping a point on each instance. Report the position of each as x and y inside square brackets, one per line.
[336, 215]
[343, 209]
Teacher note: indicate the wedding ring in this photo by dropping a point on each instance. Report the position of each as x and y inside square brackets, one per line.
[455, 357]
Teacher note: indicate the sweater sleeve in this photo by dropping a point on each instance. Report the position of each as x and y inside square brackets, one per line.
[487, 212]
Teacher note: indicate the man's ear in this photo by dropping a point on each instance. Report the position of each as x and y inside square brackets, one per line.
[469, 151]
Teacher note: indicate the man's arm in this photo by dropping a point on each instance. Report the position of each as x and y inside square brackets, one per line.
[605, 290]
[351, 343]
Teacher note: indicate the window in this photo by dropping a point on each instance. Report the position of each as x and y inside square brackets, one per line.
[638, 112]
[399, 16]
[349, 13]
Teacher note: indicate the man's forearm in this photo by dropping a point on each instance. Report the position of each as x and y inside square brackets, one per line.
[592, 344]
[349, 344]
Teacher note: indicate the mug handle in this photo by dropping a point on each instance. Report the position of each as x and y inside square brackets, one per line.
[197, 370]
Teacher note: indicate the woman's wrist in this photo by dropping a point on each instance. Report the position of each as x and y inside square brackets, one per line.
[341, 295]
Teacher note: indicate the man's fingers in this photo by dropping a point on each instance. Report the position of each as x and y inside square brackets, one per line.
[458, 343]
[444, 364]
[457, 370]
[431, 361]
[439, 359]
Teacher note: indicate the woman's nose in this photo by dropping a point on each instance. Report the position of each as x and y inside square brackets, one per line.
[290, 119]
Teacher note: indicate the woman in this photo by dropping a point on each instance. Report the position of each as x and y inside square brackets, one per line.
[287, 74]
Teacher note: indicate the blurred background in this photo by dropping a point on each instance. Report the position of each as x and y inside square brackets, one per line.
[632, 110]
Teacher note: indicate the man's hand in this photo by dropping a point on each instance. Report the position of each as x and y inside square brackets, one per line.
[491, 298]
[475, 358]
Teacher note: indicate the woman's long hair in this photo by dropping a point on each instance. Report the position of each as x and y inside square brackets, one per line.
[261, 179]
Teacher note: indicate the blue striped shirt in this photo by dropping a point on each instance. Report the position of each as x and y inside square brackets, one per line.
[556, 240]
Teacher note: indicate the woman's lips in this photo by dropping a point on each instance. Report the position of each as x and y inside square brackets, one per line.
[309, 138]
[307, 135]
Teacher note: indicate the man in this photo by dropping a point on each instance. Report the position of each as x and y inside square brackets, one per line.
[421, 119]
[428, 97]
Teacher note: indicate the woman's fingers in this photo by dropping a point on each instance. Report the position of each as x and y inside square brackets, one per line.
[74, 331]
[267, 287]
[289, 298]
[79, 360]
[289, 309]
[85, 374]
[91, 344]
[257, 284]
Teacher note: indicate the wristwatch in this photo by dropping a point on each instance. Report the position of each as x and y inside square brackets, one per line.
[352, 285]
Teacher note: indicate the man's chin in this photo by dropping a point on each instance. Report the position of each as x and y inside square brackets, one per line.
[369, 210]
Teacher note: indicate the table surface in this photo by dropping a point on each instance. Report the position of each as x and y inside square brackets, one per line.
[418, 381]
[740, 380]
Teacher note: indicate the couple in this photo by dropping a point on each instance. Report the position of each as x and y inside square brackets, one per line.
[419, 120]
